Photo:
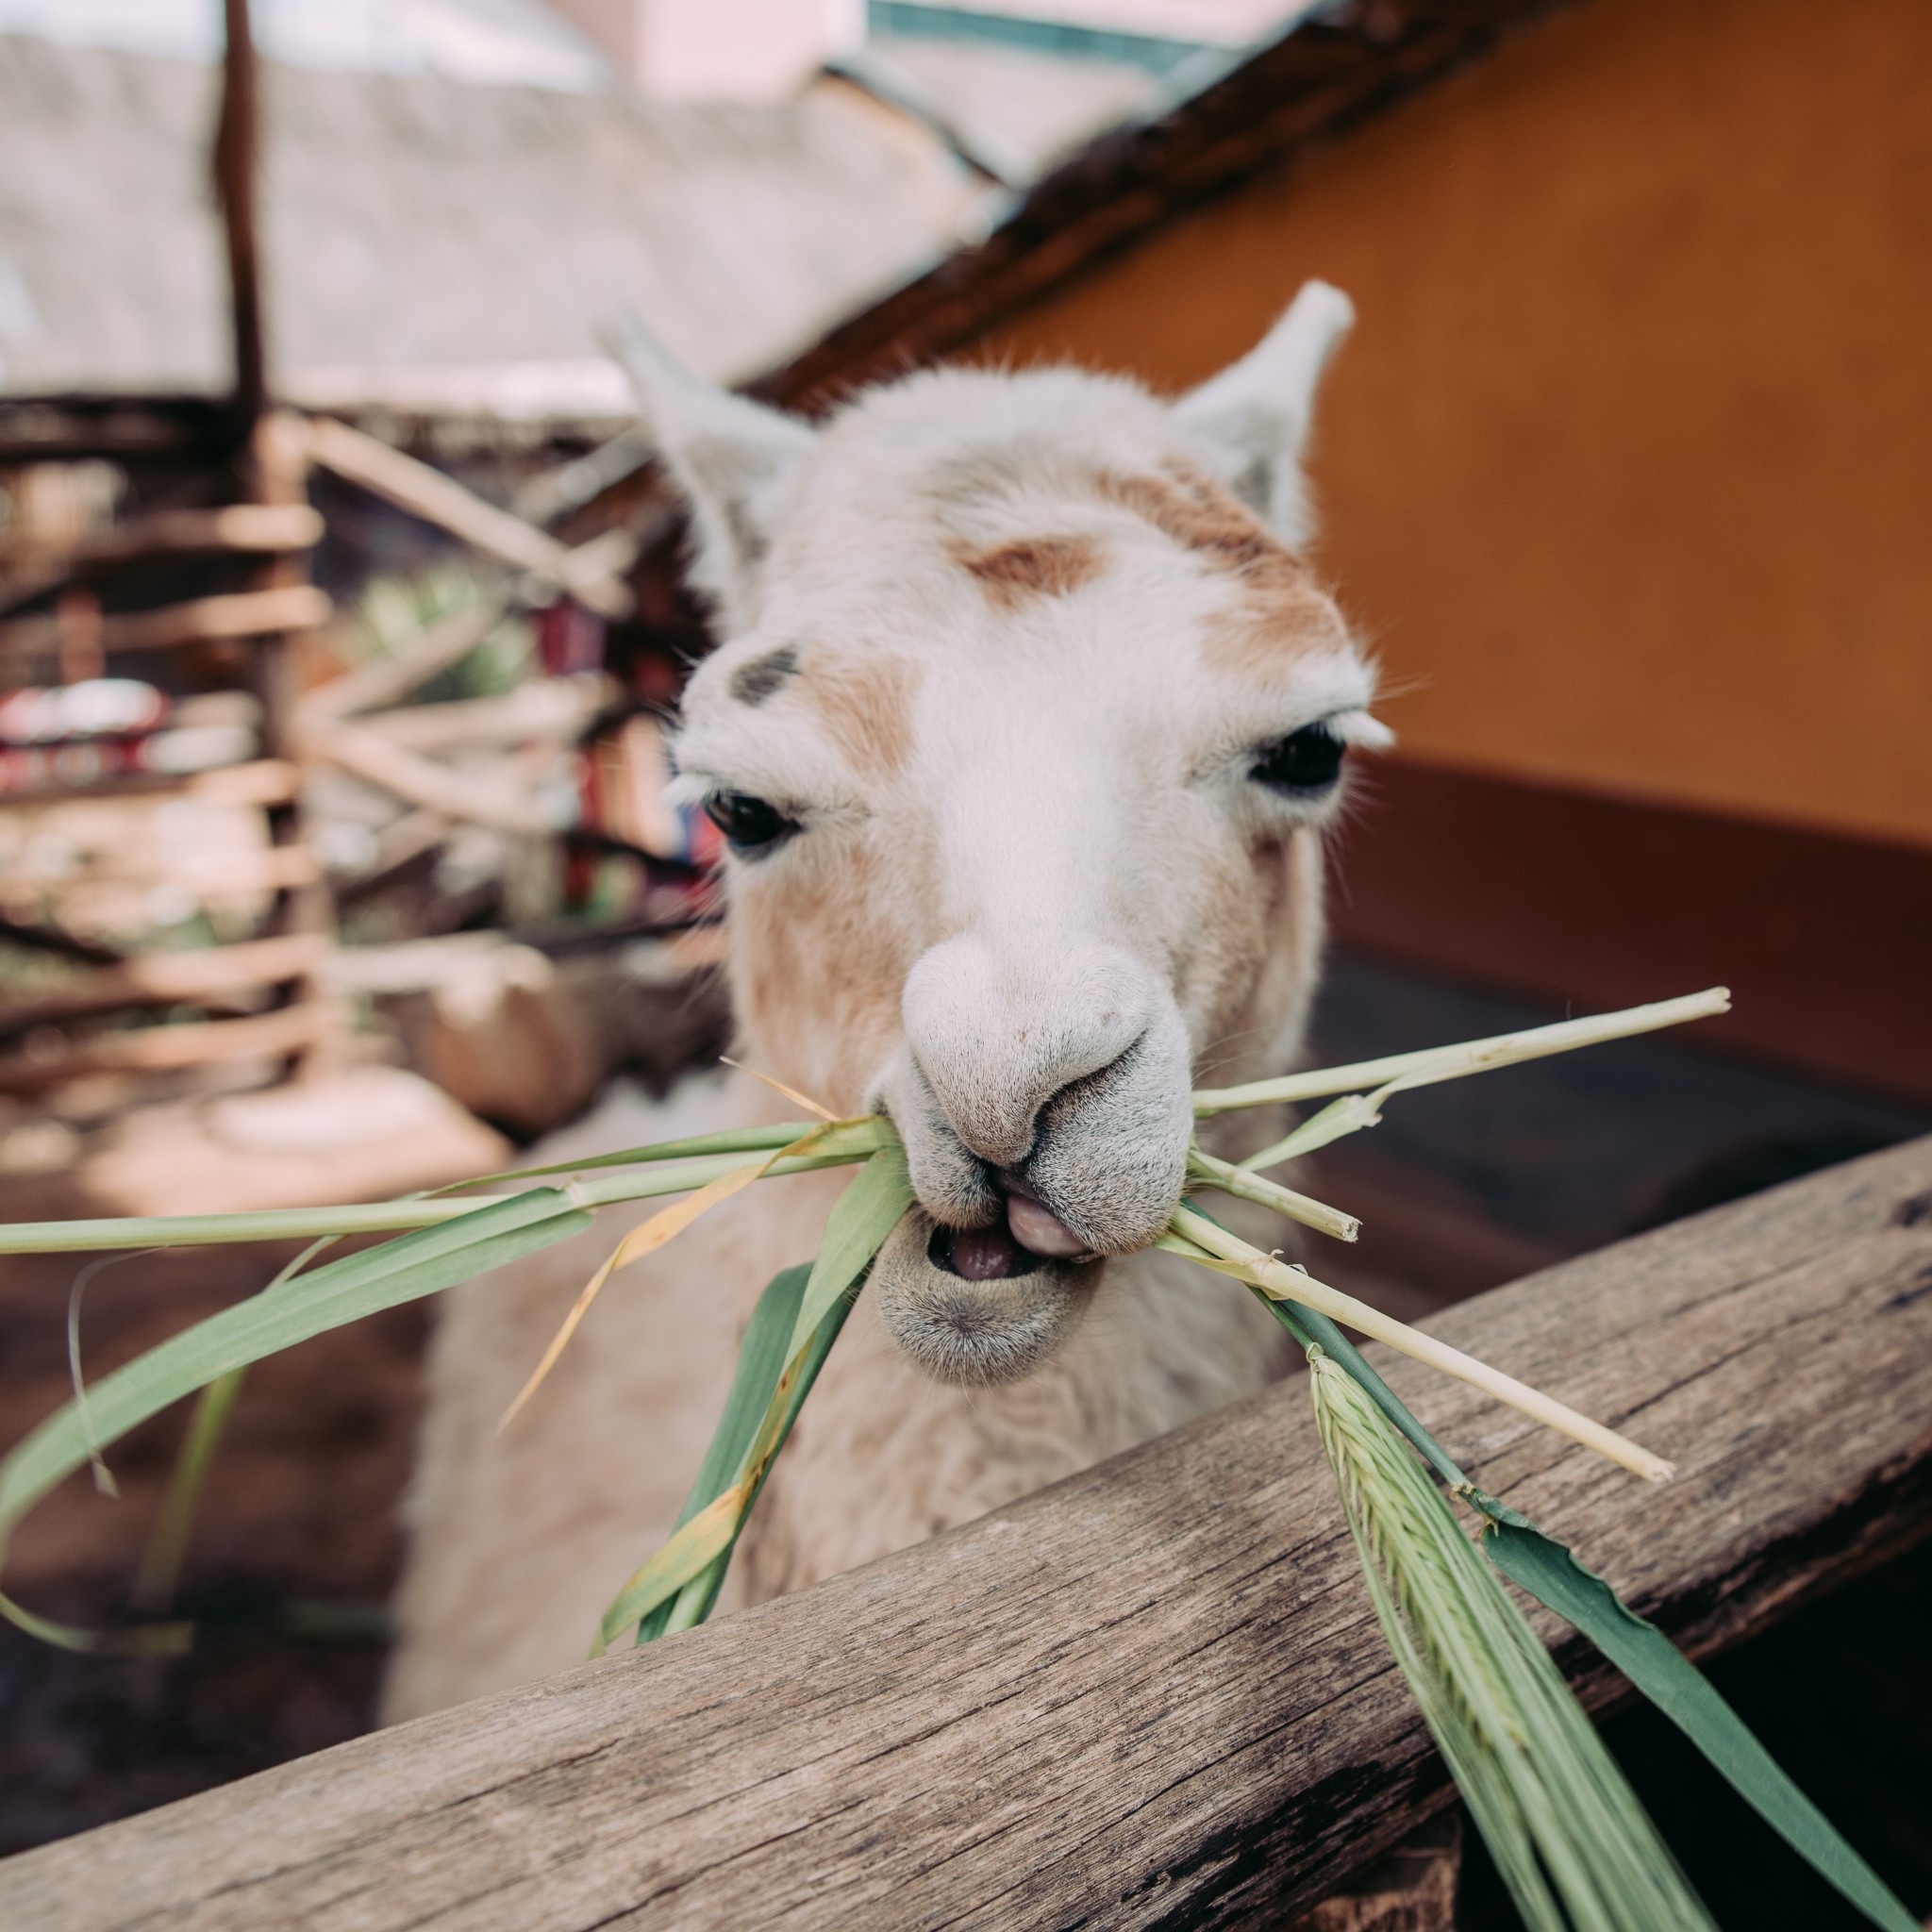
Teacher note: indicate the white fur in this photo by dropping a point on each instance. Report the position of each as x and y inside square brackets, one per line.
[1257, 415]
[1034, 892]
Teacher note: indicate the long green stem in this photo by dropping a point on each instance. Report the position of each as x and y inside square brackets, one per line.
[378, 1217]
[667, 1176]
[1251, 1186]
[1277, 1280]
[1430, 1064]
[167, 1549]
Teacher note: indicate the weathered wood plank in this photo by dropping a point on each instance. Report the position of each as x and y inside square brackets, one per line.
[261, 781]
[235, 526]
[127, 429]
[1152, 1695]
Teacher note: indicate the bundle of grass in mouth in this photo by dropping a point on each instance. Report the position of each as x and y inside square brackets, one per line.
[1568, 1837]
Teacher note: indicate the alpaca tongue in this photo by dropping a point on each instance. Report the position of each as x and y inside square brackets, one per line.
[1040, 1230]
[988, 1254]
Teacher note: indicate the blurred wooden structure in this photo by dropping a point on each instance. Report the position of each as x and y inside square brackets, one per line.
[1153, 1694]
[1623, 473]
[208, 567]
[263, 539]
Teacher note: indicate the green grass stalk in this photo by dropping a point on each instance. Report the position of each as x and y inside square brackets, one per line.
[1572, 1842]
[1431, 1064]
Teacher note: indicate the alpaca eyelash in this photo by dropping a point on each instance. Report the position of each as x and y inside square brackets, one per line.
[752, 826]
[1304, 765]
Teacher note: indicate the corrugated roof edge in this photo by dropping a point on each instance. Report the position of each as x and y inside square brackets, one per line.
[1325, 75]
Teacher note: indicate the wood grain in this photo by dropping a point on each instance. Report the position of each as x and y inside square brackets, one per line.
[1153, 1695]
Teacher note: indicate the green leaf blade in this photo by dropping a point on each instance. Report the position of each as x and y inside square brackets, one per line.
[866, 1213]
[1550, 1572]
[1568, 1837]
[760, 1361]
[380, 1277]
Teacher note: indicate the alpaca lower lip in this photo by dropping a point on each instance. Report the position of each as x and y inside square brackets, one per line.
[975, 1330]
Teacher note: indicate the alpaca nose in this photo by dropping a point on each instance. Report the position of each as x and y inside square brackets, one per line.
[996, 1031]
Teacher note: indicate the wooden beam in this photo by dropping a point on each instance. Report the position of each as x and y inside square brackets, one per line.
[542, 711]
[388, 681]
[1154, 1694]
[1824, 941]
[254, 528]
[261, 781]
[138, 430]
[479, 800]
[1288, 99]
[200, 619]
[426, 492]
[31, 571]
[168, 1049]
[219, 972]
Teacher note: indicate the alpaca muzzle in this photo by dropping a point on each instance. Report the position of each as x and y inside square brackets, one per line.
[1043, 1134]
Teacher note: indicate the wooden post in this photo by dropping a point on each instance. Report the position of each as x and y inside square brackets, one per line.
[236, 157]
[275, 471]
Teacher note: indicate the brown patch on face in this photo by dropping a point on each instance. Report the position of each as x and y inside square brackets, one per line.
[818, 965]
[1011, 574]
[1268, 630]
[867, 707]
[1198, 514]
[1259, 944]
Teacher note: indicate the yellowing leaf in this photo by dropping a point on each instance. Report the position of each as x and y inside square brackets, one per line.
[645, 1239]
[672, 1566]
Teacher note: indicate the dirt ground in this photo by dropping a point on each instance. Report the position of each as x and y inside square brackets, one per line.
[294, 1552]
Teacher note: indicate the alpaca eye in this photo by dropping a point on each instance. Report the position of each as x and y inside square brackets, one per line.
[1305, 761]
[749, 823]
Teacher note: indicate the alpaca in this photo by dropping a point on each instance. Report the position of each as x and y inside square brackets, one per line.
[1027, 723]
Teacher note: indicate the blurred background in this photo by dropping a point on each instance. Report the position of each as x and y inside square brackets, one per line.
[341, 609]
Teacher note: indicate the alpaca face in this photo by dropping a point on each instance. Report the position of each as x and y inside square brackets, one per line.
[1024, 749]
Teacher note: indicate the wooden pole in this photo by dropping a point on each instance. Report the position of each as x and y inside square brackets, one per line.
[237, 147]
[274, 462]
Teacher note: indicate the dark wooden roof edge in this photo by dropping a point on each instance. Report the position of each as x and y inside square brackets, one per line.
[1335, 70]
[1341, 67]
[129, 428]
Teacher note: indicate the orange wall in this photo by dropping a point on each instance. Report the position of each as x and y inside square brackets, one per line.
[1628, 466]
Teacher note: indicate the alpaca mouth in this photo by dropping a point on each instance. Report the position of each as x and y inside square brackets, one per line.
[1028, 1233]
[980, 1254]
[974, 1306]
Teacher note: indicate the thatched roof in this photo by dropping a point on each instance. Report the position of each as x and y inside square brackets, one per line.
[423, 231]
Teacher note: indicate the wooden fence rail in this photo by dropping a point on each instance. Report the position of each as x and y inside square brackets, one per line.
[1153, 1695]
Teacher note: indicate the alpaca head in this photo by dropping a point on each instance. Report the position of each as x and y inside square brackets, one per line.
[1025, 729]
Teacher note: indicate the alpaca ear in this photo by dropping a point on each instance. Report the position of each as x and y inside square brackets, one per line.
[733, 462]
[1253, 418]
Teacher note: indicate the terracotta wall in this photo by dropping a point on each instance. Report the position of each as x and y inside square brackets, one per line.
[1628, 466]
